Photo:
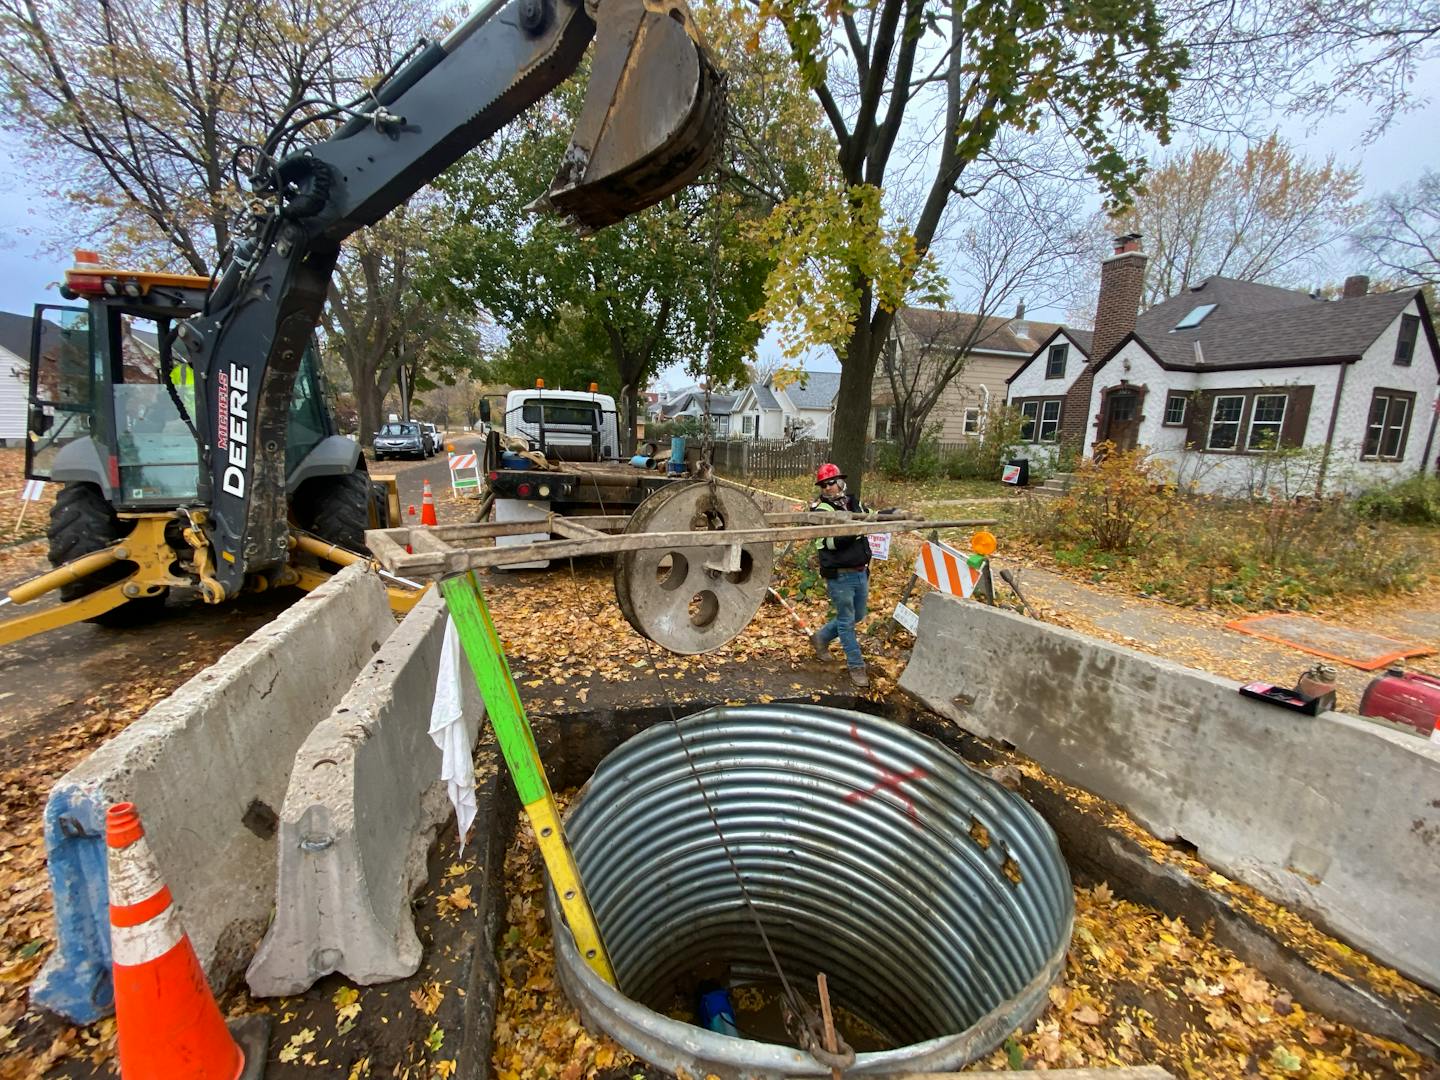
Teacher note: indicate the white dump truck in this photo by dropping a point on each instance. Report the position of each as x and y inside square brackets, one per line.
[578, 434]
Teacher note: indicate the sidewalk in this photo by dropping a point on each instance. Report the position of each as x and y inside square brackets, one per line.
[1200, 639]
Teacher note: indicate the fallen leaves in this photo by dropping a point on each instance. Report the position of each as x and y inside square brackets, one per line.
[301, 1039]
[450, 904]
[537, 1031]
[1140, 988]
[428, 997]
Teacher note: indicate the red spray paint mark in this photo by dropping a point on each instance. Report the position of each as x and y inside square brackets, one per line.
[888, 779]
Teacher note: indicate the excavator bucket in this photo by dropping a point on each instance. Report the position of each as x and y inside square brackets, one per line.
[653, 116]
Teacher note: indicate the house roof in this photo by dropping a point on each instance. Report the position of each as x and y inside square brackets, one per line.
[817, 392]
[763, 397]
[720, 404]
[15, 333]
[1262, 326]
[954, 328]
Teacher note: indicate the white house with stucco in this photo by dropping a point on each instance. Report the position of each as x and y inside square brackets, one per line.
[1216, 378]
[790, 407]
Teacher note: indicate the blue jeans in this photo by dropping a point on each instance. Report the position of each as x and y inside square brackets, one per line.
[850, 593]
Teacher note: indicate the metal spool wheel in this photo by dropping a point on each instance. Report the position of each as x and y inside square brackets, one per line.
[693, 599]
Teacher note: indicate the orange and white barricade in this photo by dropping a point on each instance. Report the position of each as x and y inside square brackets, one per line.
[948, 570]
[461, 463]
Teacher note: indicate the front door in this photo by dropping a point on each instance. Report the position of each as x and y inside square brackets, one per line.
[1120, 423]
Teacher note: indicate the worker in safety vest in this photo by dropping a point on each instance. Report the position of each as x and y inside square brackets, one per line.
[845, 566]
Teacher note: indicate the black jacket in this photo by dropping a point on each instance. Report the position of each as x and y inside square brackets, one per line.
[842, 552]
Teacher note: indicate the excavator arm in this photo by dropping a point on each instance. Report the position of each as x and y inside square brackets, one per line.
[650, 123]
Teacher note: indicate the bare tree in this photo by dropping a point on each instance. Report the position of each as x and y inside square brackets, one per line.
[1401, 232]
[137, 114]
[1017, 242]
[1268, 216]
[144, 117]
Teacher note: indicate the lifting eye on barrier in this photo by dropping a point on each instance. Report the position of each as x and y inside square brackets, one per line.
[546, 831]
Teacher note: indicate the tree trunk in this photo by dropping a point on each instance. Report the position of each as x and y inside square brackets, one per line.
[852, 406]
[368, 405]
[628, 397]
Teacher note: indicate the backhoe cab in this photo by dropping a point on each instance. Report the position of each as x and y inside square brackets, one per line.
[112, 419]
[188, 423]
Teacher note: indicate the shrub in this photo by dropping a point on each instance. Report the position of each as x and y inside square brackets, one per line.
[1118, 500]
[982, 456]
[1413, 501]
[924, 464]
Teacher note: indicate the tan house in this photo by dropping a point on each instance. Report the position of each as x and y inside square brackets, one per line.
[923, 340]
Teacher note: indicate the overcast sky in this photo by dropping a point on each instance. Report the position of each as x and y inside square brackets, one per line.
[1397, 158]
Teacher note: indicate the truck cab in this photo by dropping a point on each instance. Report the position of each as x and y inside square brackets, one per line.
[564, 425]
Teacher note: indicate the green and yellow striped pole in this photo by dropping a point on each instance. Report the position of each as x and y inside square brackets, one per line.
[517, 743]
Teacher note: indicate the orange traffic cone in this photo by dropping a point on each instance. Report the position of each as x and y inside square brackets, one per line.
[168, 1025]
[427, 507]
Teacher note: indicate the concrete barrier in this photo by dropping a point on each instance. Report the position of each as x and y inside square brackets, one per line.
[208, 768]
[1332, 815]
[363, 806]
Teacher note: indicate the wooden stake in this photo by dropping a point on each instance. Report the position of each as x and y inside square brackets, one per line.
[825, 1014]
[24, 505]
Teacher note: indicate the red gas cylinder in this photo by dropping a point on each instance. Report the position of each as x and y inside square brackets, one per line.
[1406, 697]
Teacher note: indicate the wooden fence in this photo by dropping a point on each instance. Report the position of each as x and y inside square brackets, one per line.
[749, 459]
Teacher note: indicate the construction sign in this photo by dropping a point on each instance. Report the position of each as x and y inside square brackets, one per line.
[948, 570]
[461, 463]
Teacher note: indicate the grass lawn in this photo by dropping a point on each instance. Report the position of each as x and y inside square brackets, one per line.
[928, 496]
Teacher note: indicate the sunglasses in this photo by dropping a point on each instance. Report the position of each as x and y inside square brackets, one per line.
[830, 483]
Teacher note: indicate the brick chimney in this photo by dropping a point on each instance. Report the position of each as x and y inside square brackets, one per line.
[1122, 284]
[1355, 285]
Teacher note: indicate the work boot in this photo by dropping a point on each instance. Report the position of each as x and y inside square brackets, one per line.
[859, 677]
[822, 649]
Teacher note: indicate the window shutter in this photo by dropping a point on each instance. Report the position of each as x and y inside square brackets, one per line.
[1297, 415]
[1197, 418]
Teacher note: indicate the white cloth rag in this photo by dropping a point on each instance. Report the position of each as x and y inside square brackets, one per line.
[450, 732]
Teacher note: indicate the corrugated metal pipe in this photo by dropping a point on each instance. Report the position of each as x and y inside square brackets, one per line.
[935, 900]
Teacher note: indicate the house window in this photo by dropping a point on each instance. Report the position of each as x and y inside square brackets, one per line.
[1225, 422]
[1266, 417]
[1388, 428]
[1405, 347]
[1029, 410]
[972, 421]
[1194, 316]
[1041, 420]
[747, 425]
[882, 422]
[1050, 420]
[1175, 409]
[1055, 363]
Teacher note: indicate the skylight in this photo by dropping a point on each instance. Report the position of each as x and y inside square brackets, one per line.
[1194, 316]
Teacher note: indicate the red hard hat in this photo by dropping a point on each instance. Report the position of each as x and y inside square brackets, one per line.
[828, 472]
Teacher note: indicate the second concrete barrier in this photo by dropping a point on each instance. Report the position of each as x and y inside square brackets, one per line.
[208, 768]
[363, 806]
[1332, 815]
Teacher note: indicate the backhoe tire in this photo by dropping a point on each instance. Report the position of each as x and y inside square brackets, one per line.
[336, 509]
[82, 521]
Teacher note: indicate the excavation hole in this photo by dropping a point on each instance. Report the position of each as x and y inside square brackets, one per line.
[853, 836]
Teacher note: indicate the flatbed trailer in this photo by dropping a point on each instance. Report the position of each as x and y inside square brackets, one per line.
[693, 561]
[571, 489]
